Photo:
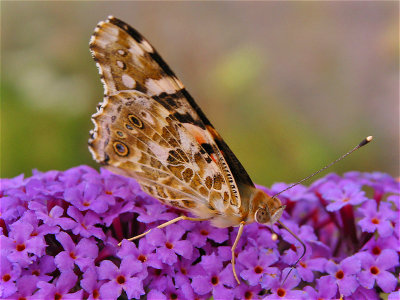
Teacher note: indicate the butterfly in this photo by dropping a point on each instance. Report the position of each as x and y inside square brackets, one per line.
[149, 127]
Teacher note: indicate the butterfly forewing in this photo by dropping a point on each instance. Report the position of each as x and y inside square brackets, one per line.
[150, 128]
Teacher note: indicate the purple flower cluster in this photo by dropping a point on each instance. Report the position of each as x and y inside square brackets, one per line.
[60, 233]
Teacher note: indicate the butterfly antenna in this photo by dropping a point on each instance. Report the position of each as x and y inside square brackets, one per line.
[363, 143]
[301, 242]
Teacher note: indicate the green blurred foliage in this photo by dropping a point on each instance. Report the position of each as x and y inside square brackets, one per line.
[285, 84]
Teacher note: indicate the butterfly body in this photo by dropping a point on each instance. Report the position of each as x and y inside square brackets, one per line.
[149, 127]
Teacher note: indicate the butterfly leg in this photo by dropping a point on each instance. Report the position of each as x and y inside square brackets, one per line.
[165, 225]
[239, 234]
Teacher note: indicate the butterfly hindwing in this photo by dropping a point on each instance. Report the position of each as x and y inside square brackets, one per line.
[137, 137]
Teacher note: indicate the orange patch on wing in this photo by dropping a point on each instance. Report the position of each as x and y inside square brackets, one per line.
[199, 138]
[196, 132]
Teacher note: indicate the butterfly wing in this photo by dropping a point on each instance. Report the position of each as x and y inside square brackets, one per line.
[127, 62]
[136, 136]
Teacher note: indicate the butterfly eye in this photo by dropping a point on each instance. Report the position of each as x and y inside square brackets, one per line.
[135, 121]
[261, 216]
[121, 149]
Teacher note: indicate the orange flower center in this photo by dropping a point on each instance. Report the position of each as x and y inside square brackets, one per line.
[20, 247]
[142, 258]
[6, 277]
[248, 295]
[121, 279]
[376, 250]
[281, 292]
[374, 270]
[339, 274]
[375, 221]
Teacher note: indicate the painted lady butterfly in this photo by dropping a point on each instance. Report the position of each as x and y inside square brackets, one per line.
[149, 127]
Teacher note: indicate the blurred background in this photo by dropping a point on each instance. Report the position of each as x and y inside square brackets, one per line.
[290, 86]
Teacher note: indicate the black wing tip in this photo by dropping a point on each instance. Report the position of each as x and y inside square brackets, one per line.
[126, 27]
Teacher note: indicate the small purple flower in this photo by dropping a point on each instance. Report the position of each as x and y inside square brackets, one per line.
[40, 268]
[169, 244]
[85, 224]
[297, 193]
[20, 246]
[257, 265]
[376, 246]
[375, 270]
[39, 230]
[342, 193]
[154, 212]
[215, 279]
[363, 293]
[26, 285]
[375, 219]
[127, 277]
[12, 207]
[307, 265]
[247, 292]
[81, 254]
[344, 274]
[52, 217]
[60, 289]
[185, 271]
[285, 290]
[9, 274]
[202, 231]
[91, 284]
[115, 186]
[85, 196]
[170, 292]
[144, 253]
[326, 288]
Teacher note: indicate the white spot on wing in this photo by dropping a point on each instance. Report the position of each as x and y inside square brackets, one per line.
[120, 64]
[106, 34]
[160, 152]
[146, 46]
[128, 81]
[156, 87]
[135, 49]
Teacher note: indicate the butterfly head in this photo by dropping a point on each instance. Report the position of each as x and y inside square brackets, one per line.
[268, 210]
